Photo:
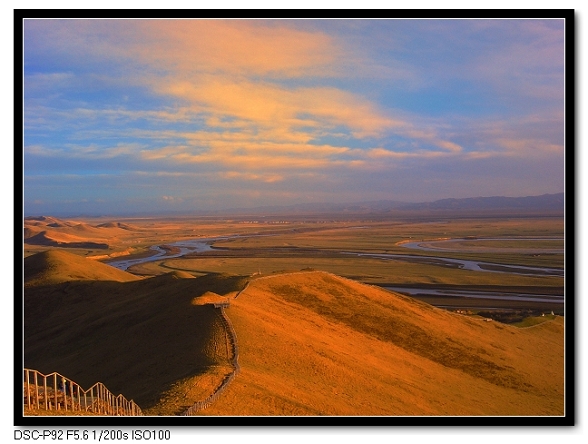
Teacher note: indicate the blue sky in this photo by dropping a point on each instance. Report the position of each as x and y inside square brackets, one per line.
[128, 116]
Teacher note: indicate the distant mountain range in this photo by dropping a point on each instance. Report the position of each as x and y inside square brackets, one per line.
[543, 202]
[546, 203]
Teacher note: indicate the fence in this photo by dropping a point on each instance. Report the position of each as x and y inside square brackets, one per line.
[232, 343]
[243, 289]
[56, 392]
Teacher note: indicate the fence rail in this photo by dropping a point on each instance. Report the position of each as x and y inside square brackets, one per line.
[56, 392]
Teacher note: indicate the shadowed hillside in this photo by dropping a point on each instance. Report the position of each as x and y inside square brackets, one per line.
[63, 240]
[95, 323]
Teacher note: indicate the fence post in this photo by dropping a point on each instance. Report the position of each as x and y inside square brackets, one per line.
[27, 375]
[71, 394]
[45, 392]
[55, 391]
[98, 404]
[78, 389]
[37, 391]
[101, 399]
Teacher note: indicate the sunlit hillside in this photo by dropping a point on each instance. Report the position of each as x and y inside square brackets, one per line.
[55, 266]
[49, 231]
[316, 344]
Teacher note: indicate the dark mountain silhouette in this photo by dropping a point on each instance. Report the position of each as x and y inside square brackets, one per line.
[546, 203]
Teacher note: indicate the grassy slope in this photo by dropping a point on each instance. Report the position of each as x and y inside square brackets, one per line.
[138, 337]
[55, 266]
[315, 344]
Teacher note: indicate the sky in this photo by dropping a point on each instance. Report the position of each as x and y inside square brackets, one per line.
[152, 116]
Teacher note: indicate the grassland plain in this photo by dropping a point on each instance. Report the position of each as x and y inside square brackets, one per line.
[364, 269]
[527, 242]
[388, 237]
[135, 236]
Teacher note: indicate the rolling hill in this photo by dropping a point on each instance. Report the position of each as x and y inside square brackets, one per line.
[93, 322]
[310, 343]
[56, 266]
[52, 232]
[318, 344]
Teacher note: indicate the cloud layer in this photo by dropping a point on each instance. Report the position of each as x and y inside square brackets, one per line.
[145, 115]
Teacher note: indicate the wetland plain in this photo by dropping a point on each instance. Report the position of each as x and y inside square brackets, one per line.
[514, 258]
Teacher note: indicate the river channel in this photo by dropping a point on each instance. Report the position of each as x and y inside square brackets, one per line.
[201, 245]
[185, 247]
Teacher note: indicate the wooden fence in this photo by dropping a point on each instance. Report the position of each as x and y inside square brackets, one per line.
[56, 392]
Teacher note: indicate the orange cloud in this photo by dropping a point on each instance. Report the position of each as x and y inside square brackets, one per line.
[449, 146]
[271, 106]
[381, 153]
[212, 70]
[267, 178]
[243, 47]
[528, 146]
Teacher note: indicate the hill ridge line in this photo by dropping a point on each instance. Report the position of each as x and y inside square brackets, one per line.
[231, 338]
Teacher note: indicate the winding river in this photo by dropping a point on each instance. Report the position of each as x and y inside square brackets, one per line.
[205, 244]
[446, 245]
[469, 265]
[494, 295]
[185, 246]
[201, 245]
